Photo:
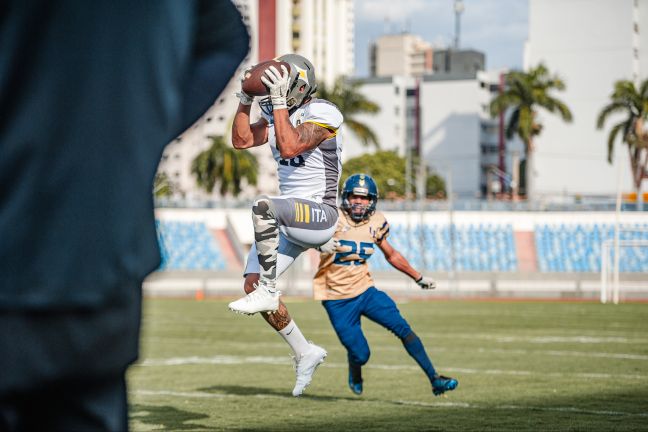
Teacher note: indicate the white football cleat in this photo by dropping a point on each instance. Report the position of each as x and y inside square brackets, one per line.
[305, 367]
[259, 300]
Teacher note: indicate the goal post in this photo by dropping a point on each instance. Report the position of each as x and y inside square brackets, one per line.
[610, 263]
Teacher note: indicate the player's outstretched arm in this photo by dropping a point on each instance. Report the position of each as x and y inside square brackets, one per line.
[246, 135]
[399, 262]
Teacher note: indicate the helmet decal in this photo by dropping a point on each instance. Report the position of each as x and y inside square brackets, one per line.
[302, 75]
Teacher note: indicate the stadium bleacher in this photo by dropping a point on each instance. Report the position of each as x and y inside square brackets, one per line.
[479, 248]
[577, 248]
[188, 246]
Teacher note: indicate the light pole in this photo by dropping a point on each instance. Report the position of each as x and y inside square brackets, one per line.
[452, 274]
[453, 283]
[458, 8]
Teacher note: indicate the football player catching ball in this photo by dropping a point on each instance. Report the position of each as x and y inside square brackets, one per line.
[301, 131]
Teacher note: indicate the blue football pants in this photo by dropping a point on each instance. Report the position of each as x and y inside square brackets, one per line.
[373, 304]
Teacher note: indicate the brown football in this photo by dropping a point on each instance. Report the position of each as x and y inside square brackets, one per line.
[252, 84]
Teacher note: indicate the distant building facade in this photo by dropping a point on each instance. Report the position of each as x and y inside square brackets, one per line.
[320, 30]
[400, 54]
[457, 136]
[450, 61]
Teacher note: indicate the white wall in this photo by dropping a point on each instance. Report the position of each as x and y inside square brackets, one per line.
[589, 44]
[450, 131]
[388, 124]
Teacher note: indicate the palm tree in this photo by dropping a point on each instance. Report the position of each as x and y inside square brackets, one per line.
[163, 187]
[632, 103]
[224, 165]
[525, 92]
[350, 102]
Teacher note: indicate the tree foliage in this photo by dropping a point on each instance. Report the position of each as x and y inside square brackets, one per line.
[388, 170]
[163, 187]
[224, 166]
[631, 103]
[526, 92]
[345, 95]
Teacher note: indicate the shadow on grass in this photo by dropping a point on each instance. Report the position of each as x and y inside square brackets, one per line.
[169, 417]
[238, 390]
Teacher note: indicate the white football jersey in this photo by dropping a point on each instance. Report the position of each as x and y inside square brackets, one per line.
[314, 174]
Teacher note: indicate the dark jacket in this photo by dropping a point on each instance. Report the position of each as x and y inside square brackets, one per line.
[90, 93]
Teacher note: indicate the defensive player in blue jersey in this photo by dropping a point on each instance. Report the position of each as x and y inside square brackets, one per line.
[347, 291]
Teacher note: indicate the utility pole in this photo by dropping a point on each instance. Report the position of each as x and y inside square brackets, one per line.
[515, 174]
[501, 141]
[422, 171]
[452, 274]
[458, 8]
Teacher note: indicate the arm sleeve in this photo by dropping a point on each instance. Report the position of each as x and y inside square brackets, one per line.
[324, 114]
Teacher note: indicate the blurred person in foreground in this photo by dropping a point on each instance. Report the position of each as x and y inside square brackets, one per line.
[301, 131]
[347, 290]
[90, 93]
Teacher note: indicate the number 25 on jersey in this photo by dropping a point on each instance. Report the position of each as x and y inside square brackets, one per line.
[357, 255]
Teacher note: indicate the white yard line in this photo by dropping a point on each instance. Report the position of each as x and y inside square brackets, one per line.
[233, 360]
[567, 409]
[220, 360]
[597, 354]
[542, 339]
[563, 353]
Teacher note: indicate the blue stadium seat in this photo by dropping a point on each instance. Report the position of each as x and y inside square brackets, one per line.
[577, 248]
[480, 247]
[188, 246]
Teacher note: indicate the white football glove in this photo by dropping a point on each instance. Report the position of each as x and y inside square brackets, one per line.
[426, 283]
[278, 85]
[245, 98]
[330, 246]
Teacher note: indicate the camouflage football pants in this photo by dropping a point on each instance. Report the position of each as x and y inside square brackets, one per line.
[284, 227]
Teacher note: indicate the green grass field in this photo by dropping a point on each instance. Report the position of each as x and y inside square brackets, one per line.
[520, 366]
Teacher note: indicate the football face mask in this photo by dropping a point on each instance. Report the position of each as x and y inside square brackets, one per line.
[359, 197]
[359, 210]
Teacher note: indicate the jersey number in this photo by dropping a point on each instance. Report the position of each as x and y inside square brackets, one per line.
[360, 249]
[294, 162]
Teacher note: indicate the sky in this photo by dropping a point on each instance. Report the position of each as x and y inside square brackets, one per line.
[499, 28]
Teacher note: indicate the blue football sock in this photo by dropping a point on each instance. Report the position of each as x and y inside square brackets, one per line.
[415, 348]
